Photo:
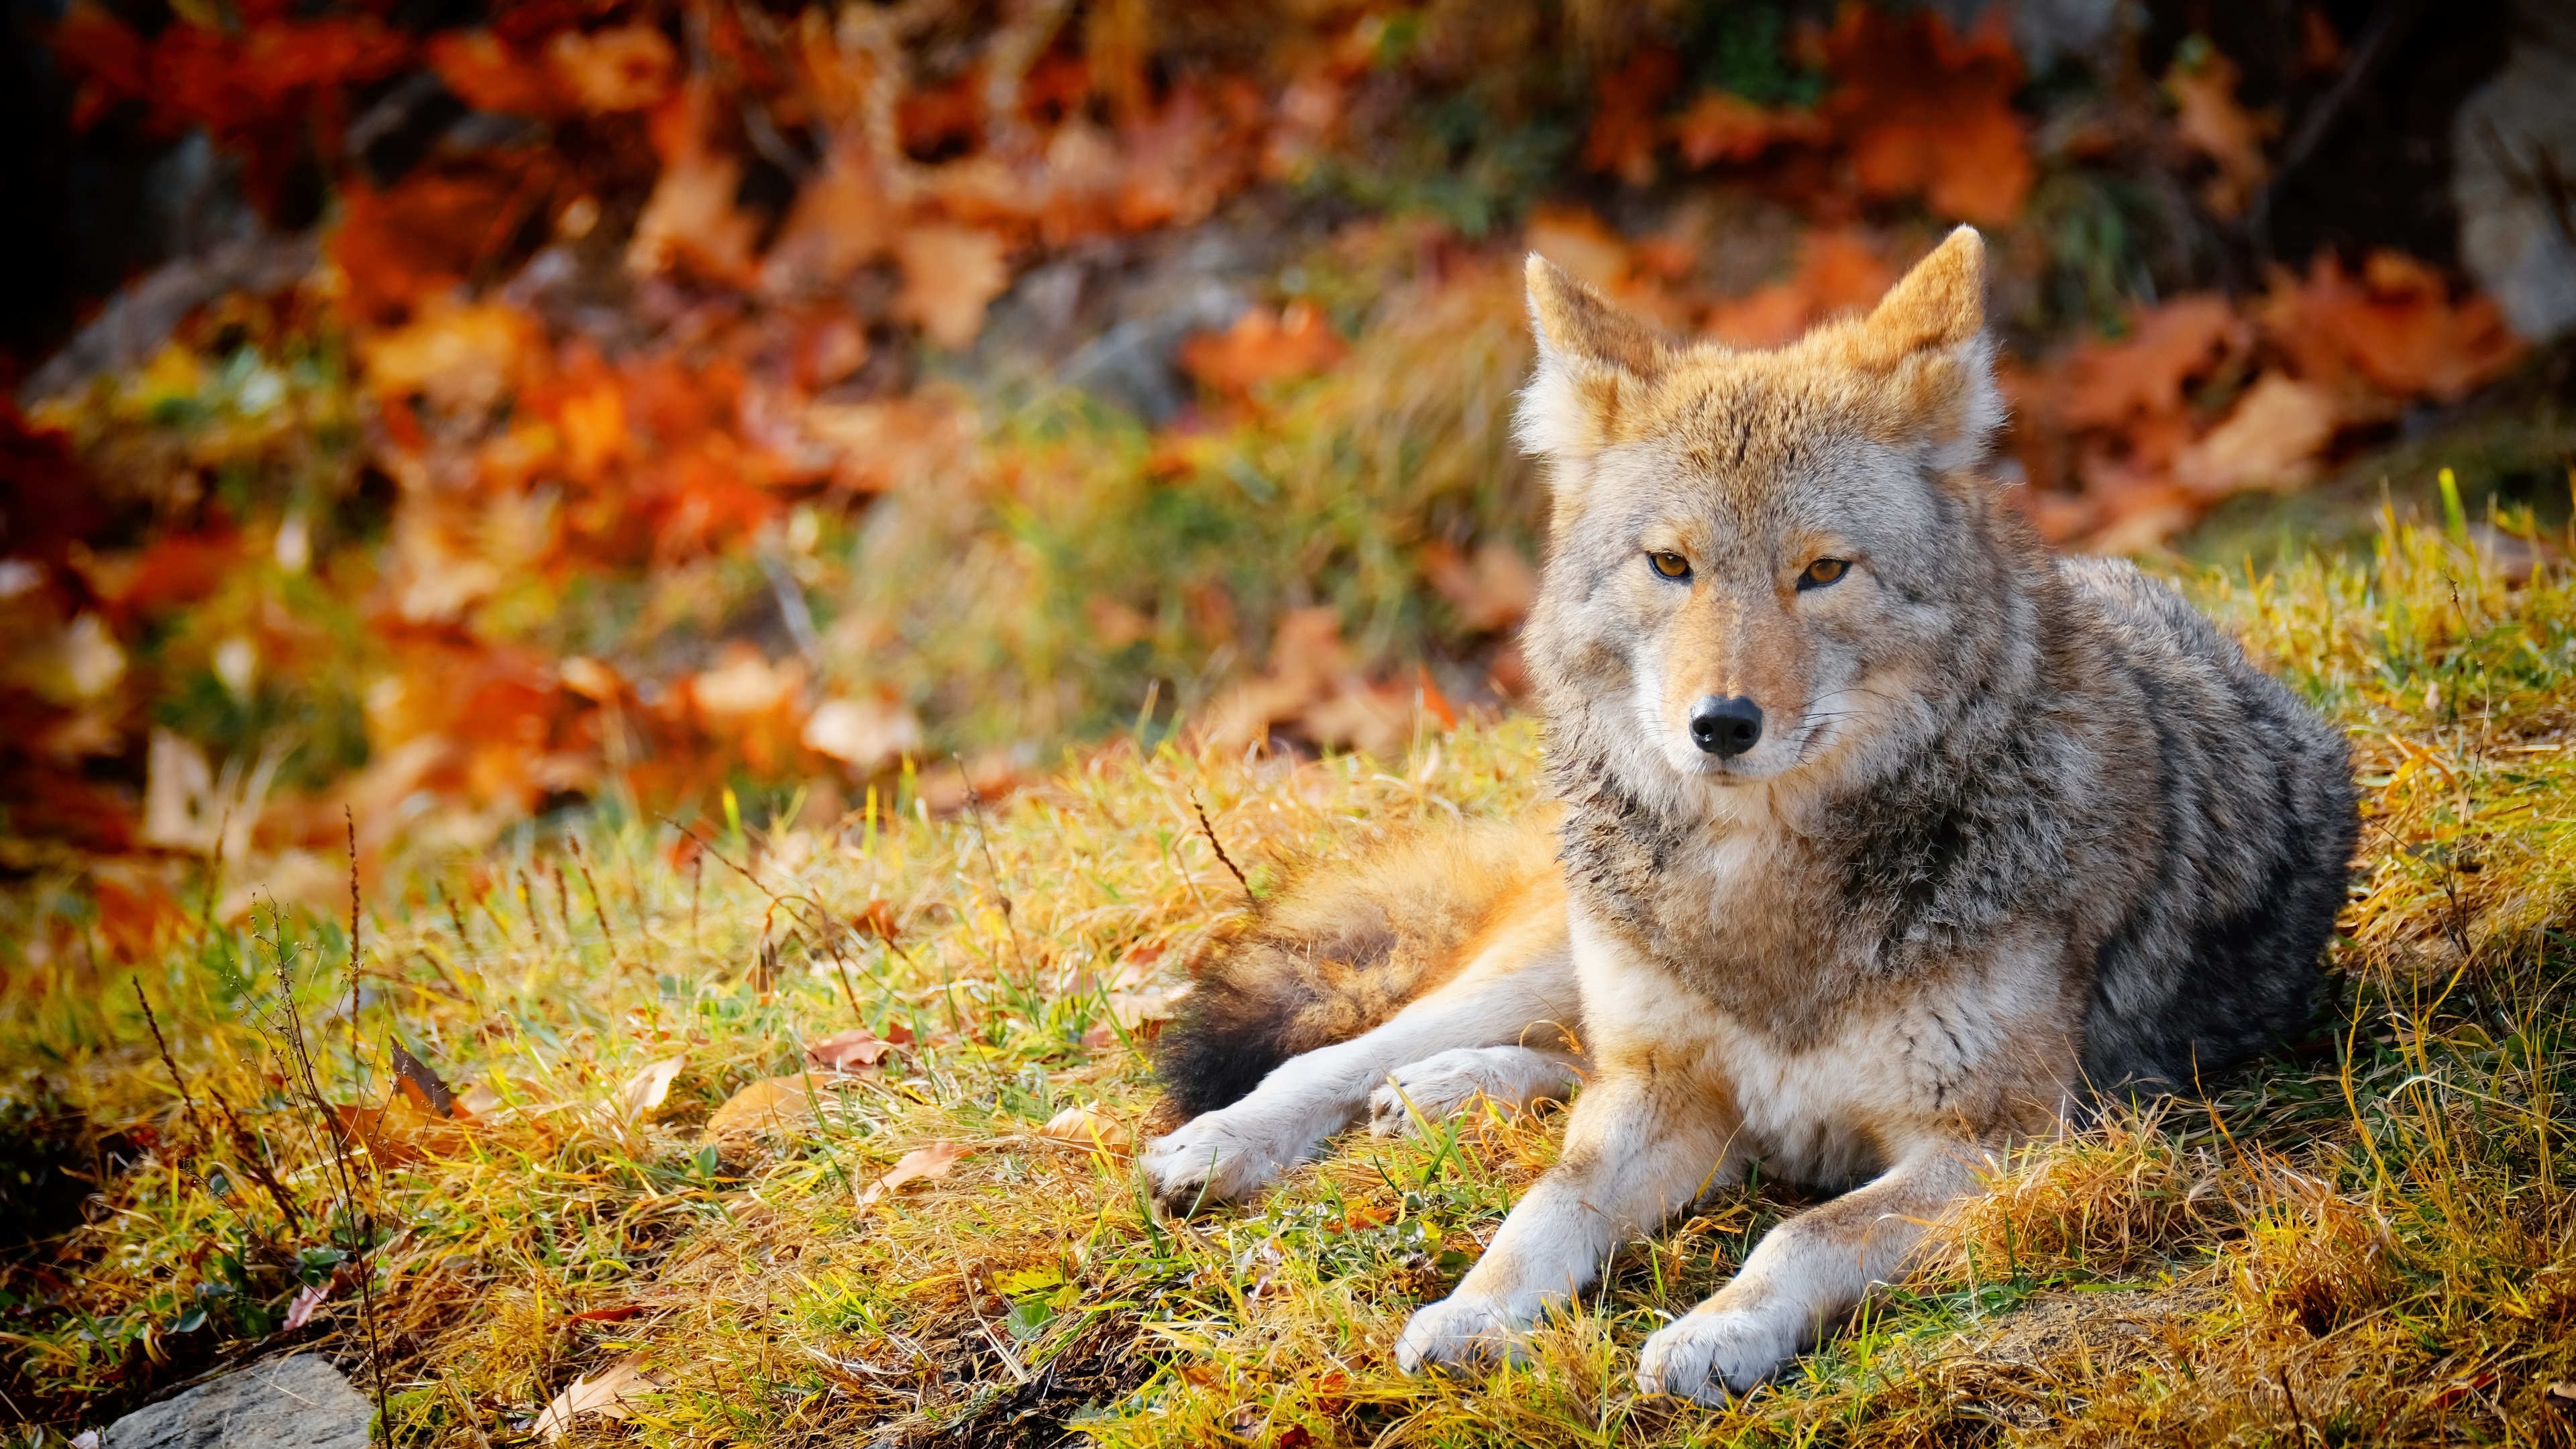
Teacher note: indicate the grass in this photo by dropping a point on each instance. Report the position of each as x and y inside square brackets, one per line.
[2366, 1239]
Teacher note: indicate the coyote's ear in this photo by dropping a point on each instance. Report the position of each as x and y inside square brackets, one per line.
[1592, 360]
[1929, 334]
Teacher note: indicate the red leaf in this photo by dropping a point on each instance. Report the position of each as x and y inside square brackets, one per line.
[1923, 111]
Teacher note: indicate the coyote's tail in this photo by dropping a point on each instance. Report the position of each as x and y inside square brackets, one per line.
[1345, 946]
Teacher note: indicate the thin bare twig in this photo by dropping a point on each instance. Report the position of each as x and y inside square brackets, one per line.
[187, 1102]
[598, 904]
[1209, 829]
[984, 838]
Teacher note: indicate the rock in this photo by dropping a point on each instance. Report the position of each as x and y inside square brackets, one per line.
[138, 319]
[298, 1402]
[2513, 177]
[1132, 362]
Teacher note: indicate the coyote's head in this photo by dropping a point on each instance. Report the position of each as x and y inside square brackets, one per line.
[1765, 564]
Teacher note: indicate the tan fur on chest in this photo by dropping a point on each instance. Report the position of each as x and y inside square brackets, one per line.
[1972, 1053]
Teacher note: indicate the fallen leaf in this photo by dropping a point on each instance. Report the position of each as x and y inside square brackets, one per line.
[856, 1047]
[950, 275]
[2208, 119]
[1492, 590]
[1627, 99]
[487, 73]
[933, 1161]
[772, 1104]
[1575, 239]
[396, 1133]
[745, 683]
[2107, 384]
[607, 1395]
[1091, 1125]
[2396, 327]
[1923, 110]
[690, 221]
[299, 1309]
[865, 734]
[1261, 347]
[420, 1084]
[420, 237]
[645, 1090]
[2270, 439]
[461, 358]
[1837, 271]
[1146, 1004]
[1723, 126]
[622, 68]
[841, 220]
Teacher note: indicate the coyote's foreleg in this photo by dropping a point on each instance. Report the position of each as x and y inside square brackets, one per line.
[1806, 1276]
[1637, 1148]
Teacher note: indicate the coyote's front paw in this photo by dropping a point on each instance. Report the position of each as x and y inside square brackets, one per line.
[1219, 1157]
[1708, 1354]
[1440, 1086]
[1462, 1330]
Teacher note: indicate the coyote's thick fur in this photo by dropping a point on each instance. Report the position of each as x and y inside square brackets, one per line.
[1882, 838]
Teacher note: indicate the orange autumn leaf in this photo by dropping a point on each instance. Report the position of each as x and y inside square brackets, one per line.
[2396, 327]
[420, 236]
[2208, 119]
[1624, 126]
[931, 1162]
[841, 220]
[1577, 240]
[1492, 589]
[1721, 126]
[690, 221]
[1923, 111]
[2106, 384]
[950, 275]
[487, 73]
[1837, 272]
[2272, 438]
[105, 52]
[1261, 347]
[622, 68]
[857, 1047]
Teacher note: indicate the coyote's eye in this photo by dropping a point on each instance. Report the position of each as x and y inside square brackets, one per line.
[1669, 565]
[1822, 572]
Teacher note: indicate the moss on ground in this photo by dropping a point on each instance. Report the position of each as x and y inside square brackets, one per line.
[2364, 1240]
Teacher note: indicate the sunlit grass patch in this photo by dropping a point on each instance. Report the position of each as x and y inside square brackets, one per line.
[2366, 1238]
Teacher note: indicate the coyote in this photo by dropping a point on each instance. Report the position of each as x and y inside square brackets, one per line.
[1881, 839]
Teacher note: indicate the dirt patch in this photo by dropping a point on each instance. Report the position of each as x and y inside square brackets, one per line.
[1102, 1365]
[2029, 1368]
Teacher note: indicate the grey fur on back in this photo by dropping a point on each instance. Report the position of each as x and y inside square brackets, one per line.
[2216, 961]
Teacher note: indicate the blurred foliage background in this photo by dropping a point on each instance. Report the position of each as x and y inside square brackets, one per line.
[454, 412]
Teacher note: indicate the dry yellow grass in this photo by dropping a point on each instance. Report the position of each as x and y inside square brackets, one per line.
[2366, 1240]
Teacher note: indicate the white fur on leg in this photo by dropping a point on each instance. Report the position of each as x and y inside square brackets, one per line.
[1229, 1152]
[1805, 1275]
[1630, 1160]
[1439, 1087]
[1713, 1351]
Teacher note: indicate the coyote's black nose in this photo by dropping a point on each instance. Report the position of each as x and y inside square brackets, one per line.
[1725, 727]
